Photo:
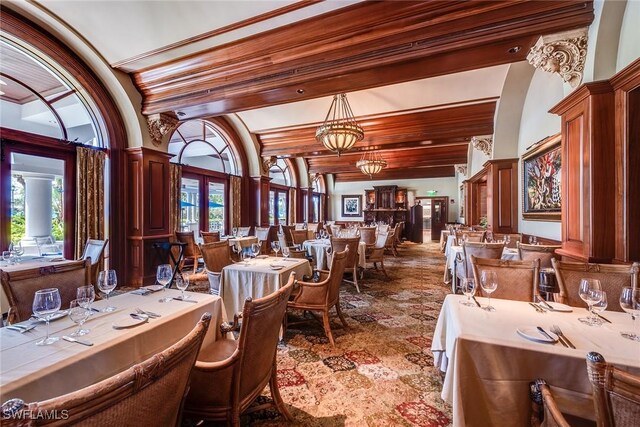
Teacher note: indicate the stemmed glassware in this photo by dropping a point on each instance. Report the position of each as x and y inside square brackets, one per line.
[182, 283]
[78, 313]
[86, 295]
[468, 289]
[46, 302]
[234, 230]
[285, 252]
[590, 292]
[255, 249]
[599, 307]
[276, 247]
[630, 302]
[107, 281]
[164, 273]
[489, 283]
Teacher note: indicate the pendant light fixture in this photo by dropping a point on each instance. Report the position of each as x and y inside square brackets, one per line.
[371, 163]
[340, 131]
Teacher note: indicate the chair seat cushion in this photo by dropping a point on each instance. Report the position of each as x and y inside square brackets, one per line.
[218, 350]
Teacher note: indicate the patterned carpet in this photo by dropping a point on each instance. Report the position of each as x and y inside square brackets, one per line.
[381, 371]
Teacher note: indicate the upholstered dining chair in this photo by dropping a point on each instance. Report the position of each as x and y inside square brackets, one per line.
[216, 256]
[286, 230]
[210, 236]
[545, 409]
[517, 280]
[94, 249]
[190, 254]
[612, 278]
[375, 253]
[47, 246]
[368, 235]
[298, 237]
[616, 393]
[335, 230]
[542, 252]
[149, 393]
[464, 269]
[244, 231]
[21, 286]
[230, 374]
[338, 244]
[323, 295]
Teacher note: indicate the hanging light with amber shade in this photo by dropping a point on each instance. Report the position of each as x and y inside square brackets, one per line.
[371, 163]
[340, 130]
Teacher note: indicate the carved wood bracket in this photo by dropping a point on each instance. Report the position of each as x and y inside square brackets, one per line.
[483, 143]
[561, 53]
[461, 169]
[160, 125]
[267, 162]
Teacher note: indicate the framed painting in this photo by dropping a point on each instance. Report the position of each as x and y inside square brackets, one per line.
[541, 180]
[352, 205]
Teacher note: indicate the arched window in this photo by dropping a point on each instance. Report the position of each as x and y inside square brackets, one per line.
[198, 143]
[280, 173]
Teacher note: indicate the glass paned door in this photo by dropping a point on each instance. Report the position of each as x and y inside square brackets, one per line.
[216, 207]
[272, 207]
[282, 208]
[316, 208]
[190, 205]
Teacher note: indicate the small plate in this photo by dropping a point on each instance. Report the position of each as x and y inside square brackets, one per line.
[58, 315]
[262, 257]
[129, 322]
[532, 333]
[276, 267]
[153, 288]
[562, 308]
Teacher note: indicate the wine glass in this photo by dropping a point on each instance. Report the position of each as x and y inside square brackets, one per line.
[78, 313]
[489, 283]
[107, 281]
[255, 249]
[630, 302]
[285, 252]
[46, 302]
[469, 289]
[276, 247]
[590, 292]
[182, 283]
[6, 257]
[164, 274]
[243, 257]
[599, 307]
[86, 295]
[234, 230]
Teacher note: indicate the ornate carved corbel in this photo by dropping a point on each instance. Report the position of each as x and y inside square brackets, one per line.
[461, 169]
[562, 53]
[483, 143]
[267, 162]
[160, 125]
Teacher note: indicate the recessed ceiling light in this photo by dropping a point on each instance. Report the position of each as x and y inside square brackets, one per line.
[515, 49]
[300, 91]
[181, 114]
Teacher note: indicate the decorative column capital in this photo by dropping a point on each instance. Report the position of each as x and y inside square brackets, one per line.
[461, 169]
[483, 143]
[561, 53]
[160, 125]
[267, 162]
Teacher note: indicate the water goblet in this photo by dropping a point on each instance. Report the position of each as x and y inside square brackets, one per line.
[255, 249]
[107, 282]
[6, 257]
[86, 295]
[234, 230]
[489, 283]
[630, 302]
[182, 283]
[276, 247]
[469, 289]
[285, 252]
[590, 292]
[164, 274]
[46, 302]
[599, 307]
[78, 313]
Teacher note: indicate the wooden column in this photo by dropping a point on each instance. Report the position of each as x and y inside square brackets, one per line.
[261, 200]
[309, 217]
[147, 207]
[502, 195]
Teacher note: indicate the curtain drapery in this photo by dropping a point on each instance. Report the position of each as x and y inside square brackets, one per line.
[292, 206]
[175, 182]
[90, 221]
[235, 182]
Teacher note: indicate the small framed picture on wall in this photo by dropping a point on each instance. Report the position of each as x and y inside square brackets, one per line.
[352, 205]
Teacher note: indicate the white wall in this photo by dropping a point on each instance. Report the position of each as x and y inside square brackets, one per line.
[629, 44]
[415, 187]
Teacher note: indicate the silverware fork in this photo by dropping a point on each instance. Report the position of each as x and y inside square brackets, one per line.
[147, 313]
[556, 330]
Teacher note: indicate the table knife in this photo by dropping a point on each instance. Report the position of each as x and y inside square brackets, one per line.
[538, 309]
[75, 340]
[543, 332]
[603, 318]
[184, 300]
[473, 297]
[543, 302]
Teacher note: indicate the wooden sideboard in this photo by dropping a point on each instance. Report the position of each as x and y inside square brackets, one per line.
[386, 203]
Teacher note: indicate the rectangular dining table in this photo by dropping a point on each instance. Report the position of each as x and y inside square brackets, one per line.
[489, 365]
[257, 278]
[35, 373]
[317, 249]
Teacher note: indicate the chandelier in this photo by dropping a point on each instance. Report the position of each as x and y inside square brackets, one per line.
[371, 163]
[340, 131]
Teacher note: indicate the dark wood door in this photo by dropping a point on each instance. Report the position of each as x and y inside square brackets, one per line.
[439, 215]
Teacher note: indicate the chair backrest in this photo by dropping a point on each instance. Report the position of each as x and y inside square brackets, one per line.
[314, 227]
[542, 252]
[383, 228]
[400, 230]
[210, 236]
[244, 231]
[152, 391]
[381, 239]
[616, 393]
[295, 253]
[338, 244]
[479, 250]
[335, 230]
[517, 280]
[216, 255]
[187, 237]
[47, 246]
[513, 238]
[283, 240]
[368, 235]
[299, 226]
[298, 237]
[21, 286]
[286, 230]
[612, 278]
[94, 249]
[262, 233]
[471, 236]
[258, 340]
[338, 265]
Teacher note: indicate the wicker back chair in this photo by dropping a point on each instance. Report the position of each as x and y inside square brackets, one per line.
[375, 254]
[216, 256]
[230, 374]
[262, 234]
[286, 230]
[383, 228]
[542, 252]
[321, 296]
[399, 232]
[513, 239]
[471, 236]
[298, 253]
[616, 393]
[298, 237]
[479, 250]
[300, 226]
[21, 286]
[150, 393]
[517, 280]
[190, 253]
[314, 227]
[368, 235]
[335, 230]
[545, 409]
[94, 249]
[612, 278]
[339, 244]
[210, 236]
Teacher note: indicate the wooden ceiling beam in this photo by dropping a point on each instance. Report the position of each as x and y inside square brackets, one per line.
[398, 174]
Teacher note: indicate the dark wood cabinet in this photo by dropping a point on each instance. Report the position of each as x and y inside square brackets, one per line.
[385, 203]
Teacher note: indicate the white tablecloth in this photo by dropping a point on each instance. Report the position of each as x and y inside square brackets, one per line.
[489, 366]
[242, 242]
[453, 251]
[26, 264]
[318, 250]
[34, 373]
[258, 279]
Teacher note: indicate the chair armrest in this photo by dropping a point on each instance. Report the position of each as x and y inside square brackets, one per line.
[311, 292]
[226, 327]
[216, 366]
